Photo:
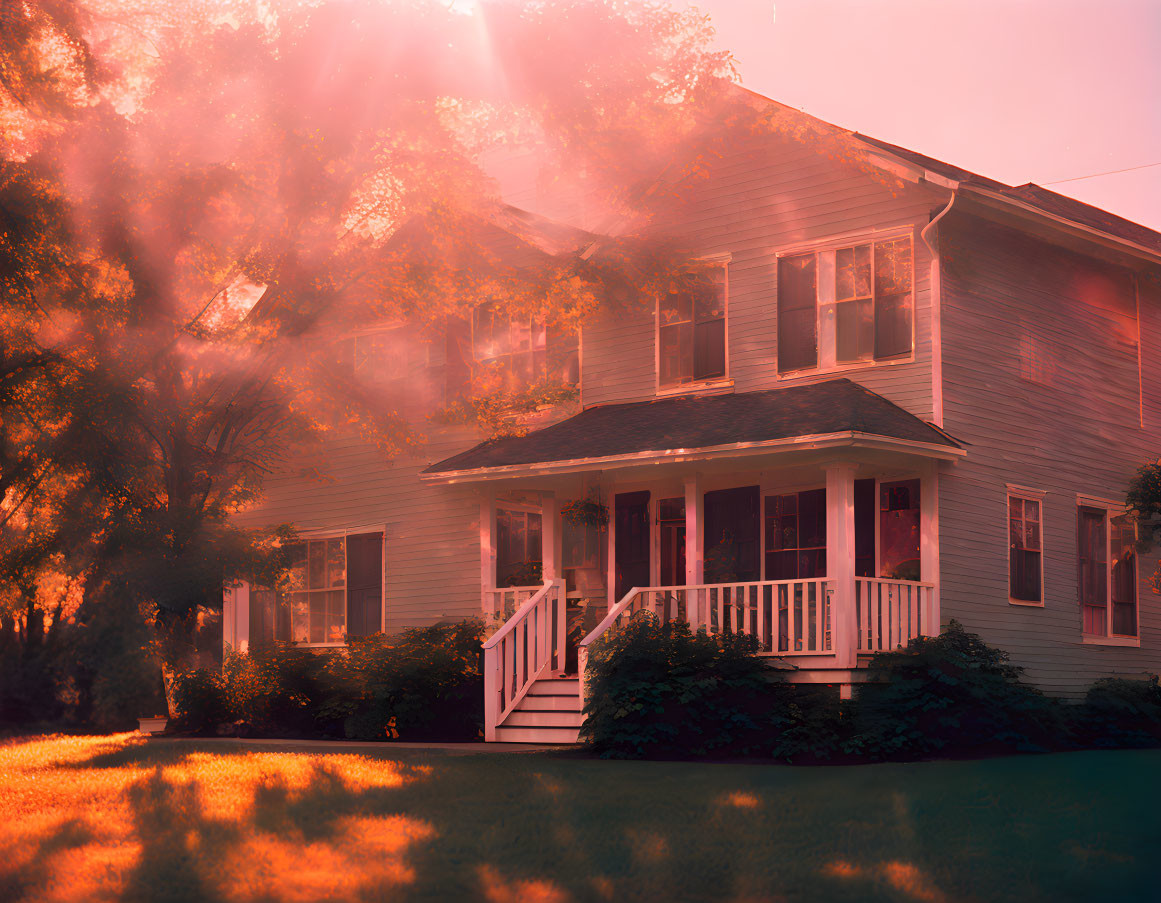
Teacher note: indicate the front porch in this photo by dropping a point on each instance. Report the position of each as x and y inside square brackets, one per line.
[824, 547]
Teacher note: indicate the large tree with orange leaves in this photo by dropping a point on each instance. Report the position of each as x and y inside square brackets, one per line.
[192, 198]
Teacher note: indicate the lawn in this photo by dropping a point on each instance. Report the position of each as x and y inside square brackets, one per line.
[121, 818]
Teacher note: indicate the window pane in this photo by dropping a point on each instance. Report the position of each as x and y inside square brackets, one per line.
[1032, 510]
[316, 565]
[797, 320]
[1025, 575]
[854, 330]
[892, 326]
[676, 354]
[336, 616]
[296, 575]
[300, 617]
[812, 517]
[899, 530]
[853, 272]
[893, 267]
[676, 308]
[336, 574]
[318, 616]
[710, 297]
[709, 349]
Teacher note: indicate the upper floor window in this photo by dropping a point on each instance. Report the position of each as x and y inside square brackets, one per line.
[691, 331]
[845, 305]
[1025, 549]
[1107, 573]
[519, 351]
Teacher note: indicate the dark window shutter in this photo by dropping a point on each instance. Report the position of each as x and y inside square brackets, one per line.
[797, 318]
[364, 584]
[709, 349]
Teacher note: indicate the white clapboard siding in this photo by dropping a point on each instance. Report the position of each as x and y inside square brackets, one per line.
[760, 198]
[1075, 430]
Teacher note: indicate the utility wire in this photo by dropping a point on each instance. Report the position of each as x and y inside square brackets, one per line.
[1111, 172]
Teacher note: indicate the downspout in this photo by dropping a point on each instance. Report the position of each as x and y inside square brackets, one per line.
[936, 289]
[930, 497]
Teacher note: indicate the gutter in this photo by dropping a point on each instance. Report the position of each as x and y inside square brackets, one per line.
[936, 288]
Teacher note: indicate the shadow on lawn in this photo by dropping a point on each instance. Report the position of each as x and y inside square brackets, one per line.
[196, 824]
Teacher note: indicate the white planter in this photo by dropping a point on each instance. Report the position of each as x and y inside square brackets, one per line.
[151, 725]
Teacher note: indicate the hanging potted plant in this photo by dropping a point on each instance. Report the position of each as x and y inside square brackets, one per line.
[586, 512]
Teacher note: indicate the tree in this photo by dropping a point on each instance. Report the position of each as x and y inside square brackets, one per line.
[194, 202]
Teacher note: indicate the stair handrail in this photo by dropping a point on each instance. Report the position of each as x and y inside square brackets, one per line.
[511, 623]
[614, 613]
[500, 695]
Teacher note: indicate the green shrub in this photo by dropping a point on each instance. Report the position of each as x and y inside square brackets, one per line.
[661, 690]
[1121, 713]
[952, 694]
[199, 700]
[424, 684]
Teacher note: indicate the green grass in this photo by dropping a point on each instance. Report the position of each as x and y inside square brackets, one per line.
[120, 819]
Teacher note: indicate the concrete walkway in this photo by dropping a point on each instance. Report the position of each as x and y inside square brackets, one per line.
[353, 746]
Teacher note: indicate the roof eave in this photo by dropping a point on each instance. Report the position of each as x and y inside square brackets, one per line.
[843, 439]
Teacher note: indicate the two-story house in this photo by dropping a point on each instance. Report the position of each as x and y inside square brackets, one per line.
[900, 393]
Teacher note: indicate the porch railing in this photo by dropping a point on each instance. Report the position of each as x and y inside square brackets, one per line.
[891, 613]
[531, 643]
[788, 617]
[503, 601]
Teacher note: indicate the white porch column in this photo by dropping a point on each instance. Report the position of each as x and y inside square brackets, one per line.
[487, 549]
[550, 539]
[840, 560]
[694, 545]
[929, 545]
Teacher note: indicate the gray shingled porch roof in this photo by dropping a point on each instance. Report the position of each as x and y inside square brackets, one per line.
[693, 422]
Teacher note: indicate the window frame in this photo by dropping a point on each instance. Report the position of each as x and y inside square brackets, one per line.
[826, 307]
[1111, 509]
[713, 382]
[306, 538]
[1025, 494]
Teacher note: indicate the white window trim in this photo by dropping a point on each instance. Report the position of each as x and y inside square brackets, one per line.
[716, 382]
[1112, 509]
[317, 535]
[1028, 495]
[825, 304]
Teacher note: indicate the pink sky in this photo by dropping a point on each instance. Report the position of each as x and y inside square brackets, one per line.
[1019, 90]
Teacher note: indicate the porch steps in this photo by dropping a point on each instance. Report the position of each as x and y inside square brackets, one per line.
[550, 712]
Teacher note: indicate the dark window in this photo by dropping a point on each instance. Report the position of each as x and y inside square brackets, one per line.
[691, 331]
[854, 305]
[1123, 536]
[797, 316]
[892, 298]
[796, 535]
[865, 510]
[510, 353]
[899, 530]
[1024, 543]
[671, 521]
[518, 548]
[1092, 555]
[733, 538]
[631, 543]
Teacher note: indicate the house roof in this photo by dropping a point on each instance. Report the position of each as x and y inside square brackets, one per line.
[697, 422]
[1032, 195]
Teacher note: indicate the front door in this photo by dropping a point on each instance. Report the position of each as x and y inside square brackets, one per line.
[631, 543]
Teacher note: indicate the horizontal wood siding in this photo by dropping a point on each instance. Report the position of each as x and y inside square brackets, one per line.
[1040, 376]
[765, 196]
[432, 532]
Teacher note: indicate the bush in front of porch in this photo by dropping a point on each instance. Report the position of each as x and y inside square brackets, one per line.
[424, 684]
[660, 690]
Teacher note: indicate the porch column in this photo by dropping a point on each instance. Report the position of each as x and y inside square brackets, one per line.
[487, 549]
[929, 546]
[694, 546]
[840, 560]
[549, 536]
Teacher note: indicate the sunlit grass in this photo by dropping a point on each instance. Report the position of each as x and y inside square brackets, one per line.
[80, 816]
[121, 818]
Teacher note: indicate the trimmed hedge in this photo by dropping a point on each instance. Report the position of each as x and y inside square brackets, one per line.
[424, 684]
[661, 691]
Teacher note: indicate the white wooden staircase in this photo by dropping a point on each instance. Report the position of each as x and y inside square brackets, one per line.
[549, 712]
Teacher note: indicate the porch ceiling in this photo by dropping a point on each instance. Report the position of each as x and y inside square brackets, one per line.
[836, 413]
